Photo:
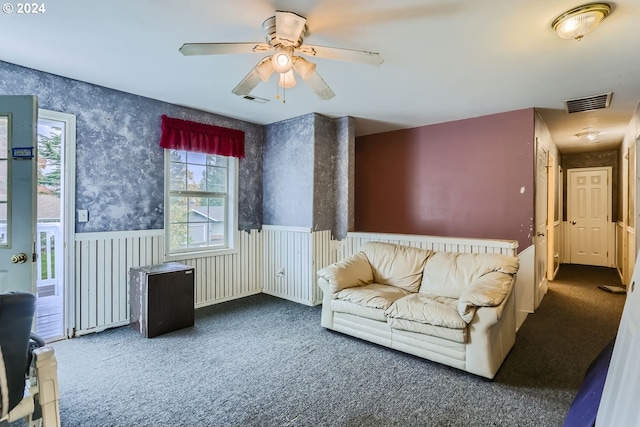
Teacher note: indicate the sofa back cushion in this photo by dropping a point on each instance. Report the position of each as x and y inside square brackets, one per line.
[352, 271]
[396, 265]
[449, 273]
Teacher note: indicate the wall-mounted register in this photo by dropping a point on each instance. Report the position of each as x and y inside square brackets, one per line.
[162, 298]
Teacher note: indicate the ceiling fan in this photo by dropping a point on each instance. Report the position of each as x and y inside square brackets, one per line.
[284, 34]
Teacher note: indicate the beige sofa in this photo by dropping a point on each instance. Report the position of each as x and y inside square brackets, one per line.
[453, 308]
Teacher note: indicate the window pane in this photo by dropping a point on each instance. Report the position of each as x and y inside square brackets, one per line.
[178, 156]
[195, 177]
[3, 180]
[216, 179]
[4, 137]
[179, 236]
[178, 207]
[196, 158]
[217, 208]
[177, 176]
[197, 234]
[217, 218]
[214, 160]
[198, 210]
[216, 233]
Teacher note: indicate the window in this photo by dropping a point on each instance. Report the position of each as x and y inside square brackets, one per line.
[5, 206]
[200, 214]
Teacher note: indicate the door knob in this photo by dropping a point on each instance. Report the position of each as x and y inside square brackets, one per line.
[540, 234]
[573, 223]
[19, 258]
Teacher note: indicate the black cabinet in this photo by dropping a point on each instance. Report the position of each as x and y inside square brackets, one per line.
[162, 298]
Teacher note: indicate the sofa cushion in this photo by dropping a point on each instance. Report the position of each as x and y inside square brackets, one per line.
[342, 306]
[430, 309]
[352, 271]
[396, 265]
[373, 295]
[451, 334]
[450, 273]
[486, 291]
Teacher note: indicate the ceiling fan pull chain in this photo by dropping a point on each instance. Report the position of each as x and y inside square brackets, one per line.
[284, 93]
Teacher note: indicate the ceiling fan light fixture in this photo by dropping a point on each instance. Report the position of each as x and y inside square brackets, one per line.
[575, 23]
[265, 69]
[282, 60]
[303, 67]
[287, 80]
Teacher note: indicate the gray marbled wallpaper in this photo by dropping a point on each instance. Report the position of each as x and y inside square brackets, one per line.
[344, 185]
[288, 172]
[308, 171]
[119, 164]
[324, 201]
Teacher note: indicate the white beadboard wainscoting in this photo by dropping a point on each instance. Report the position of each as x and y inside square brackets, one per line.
[101, 277]
[292, 256]
[102, 262]
[442, 244]
[279, 261]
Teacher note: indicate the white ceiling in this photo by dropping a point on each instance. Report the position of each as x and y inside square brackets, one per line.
[444, 60]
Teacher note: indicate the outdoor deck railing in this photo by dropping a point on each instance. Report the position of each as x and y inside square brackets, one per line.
[49, 265]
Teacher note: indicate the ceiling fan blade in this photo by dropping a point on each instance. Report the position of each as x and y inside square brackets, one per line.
[290, 27]
[222, 48]
[362, 56]
[260, 72]
[319, 86]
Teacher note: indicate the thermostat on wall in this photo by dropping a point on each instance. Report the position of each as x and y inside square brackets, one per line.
[22, 152]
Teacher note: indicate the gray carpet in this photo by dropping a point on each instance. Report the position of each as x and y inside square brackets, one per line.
[262, 361]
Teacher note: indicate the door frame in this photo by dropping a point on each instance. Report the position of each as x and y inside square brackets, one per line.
[552, 208]
[610, 233]
[68, 193]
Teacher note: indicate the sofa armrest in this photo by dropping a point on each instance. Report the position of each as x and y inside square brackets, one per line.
[488, 290]
[348, 273]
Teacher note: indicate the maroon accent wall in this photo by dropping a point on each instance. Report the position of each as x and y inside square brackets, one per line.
[459, 179]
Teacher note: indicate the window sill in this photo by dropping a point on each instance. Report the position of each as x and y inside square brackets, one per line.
[200, 254]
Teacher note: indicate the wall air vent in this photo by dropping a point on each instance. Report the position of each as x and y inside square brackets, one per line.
[589, 103]
[256, 99]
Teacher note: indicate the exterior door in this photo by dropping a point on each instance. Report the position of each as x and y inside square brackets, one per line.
[541, 212]
[589, 213]
[18, 116]
[56, 133]
[621, 393]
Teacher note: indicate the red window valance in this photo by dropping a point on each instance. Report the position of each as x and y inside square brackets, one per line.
[180, 134]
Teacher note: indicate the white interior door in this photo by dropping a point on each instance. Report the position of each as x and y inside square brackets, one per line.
[541, 211]
[589, 213]
[18, 116]
[621, 393]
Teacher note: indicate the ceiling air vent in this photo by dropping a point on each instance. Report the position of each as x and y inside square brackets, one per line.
[256, 99]
[589, 103]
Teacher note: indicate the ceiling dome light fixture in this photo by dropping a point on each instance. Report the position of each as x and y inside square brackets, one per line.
[577, 22]
[588, 135]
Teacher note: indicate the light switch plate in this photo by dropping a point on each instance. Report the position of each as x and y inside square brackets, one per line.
[83, 215]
